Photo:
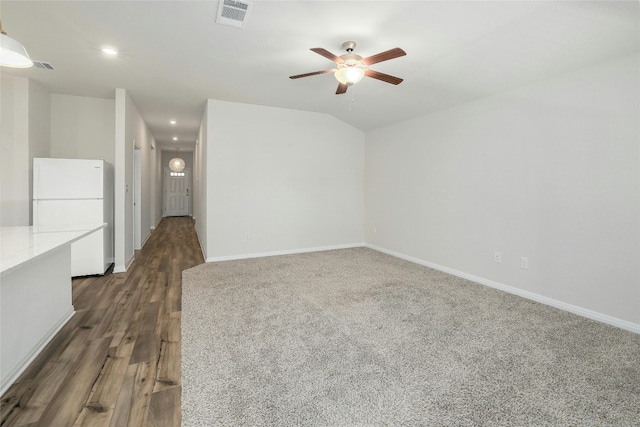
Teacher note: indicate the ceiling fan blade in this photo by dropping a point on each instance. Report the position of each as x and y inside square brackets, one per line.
[382, 76]
[342, 88]
[384, 56]
[327, 54]
[315, 73]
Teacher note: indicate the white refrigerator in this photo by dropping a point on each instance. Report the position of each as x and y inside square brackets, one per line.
[76, 194]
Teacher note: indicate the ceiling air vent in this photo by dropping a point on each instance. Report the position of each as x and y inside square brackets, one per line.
[45, 65]
[233, 13]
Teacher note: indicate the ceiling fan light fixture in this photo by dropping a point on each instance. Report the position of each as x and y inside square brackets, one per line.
[12, 53]
[349, 75]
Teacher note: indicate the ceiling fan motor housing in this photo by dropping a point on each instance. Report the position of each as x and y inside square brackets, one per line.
[349, 46]
[351, 60]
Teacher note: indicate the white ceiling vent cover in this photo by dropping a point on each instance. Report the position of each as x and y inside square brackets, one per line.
[233, 13]
[45, 65]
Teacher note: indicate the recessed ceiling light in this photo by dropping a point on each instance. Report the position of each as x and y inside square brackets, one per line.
[110, 51]
[175, 138]
[173, 122]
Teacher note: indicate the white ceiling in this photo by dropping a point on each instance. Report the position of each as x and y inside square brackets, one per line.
[173, 55]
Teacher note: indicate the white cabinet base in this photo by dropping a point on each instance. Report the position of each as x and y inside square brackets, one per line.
[35, 305]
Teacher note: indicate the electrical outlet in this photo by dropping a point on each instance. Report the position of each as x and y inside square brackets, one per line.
[375, 230]
[247, 236]
[524, 263]
[497, 257]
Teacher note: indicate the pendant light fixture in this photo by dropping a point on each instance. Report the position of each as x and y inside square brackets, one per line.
[12, 52]
[176, 164]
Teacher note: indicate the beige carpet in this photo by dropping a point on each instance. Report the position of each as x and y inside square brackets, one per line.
[355, 337]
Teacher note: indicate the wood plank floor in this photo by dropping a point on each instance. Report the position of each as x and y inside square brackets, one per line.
[117, 361]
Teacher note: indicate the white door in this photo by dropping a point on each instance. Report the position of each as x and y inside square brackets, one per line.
[176, 193]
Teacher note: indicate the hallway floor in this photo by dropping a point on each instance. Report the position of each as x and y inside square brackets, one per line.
[117, 361]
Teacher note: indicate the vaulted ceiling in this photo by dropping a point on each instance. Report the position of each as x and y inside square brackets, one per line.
[173, 56]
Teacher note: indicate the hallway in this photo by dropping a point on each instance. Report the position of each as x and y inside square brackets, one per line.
[117, 361]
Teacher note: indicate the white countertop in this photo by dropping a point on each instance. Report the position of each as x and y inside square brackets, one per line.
[20, 245]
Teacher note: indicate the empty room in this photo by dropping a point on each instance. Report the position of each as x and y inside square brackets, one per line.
[275, 213]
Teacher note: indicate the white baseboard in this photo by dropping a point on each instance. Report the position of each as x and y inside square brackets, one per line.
[124, 268]
[11, 376]
[590, 314]
[284, 252]
[204, 253]
[146, 239]
[153, 227]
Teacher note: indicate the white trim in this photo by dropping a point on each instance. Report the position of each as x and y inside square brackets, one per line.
[285, 252]
[204, 254]
[11, 376]
[147, 238]
[590, 314]
[153, 227]
[119, 269]
[133, 257]
[123, 269]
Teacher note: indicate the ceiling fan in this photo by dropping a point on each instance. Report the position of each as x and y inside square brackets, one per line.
[351, 67]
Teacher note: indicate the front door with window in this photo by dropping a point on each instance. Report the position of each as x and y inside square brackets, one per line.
[176, 193]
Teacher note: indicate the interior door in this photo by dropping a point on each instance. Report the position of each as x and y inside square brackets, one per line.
[176, 193]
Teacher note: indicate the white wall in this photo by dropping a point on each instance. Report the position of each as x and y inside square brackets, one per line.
[281, 181]
[39, 129]
[131, 131]
[123, 171]
[549, 171]
[82, 127]
[39, 121]
[14, 159]
[200, 169]
[145, 141]
[24, 124]
[35, 123]
[156, 186]
[85, 127]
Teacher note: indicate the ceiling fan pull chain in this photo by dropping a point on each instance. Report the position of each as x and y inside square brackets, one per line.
[353, 98]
